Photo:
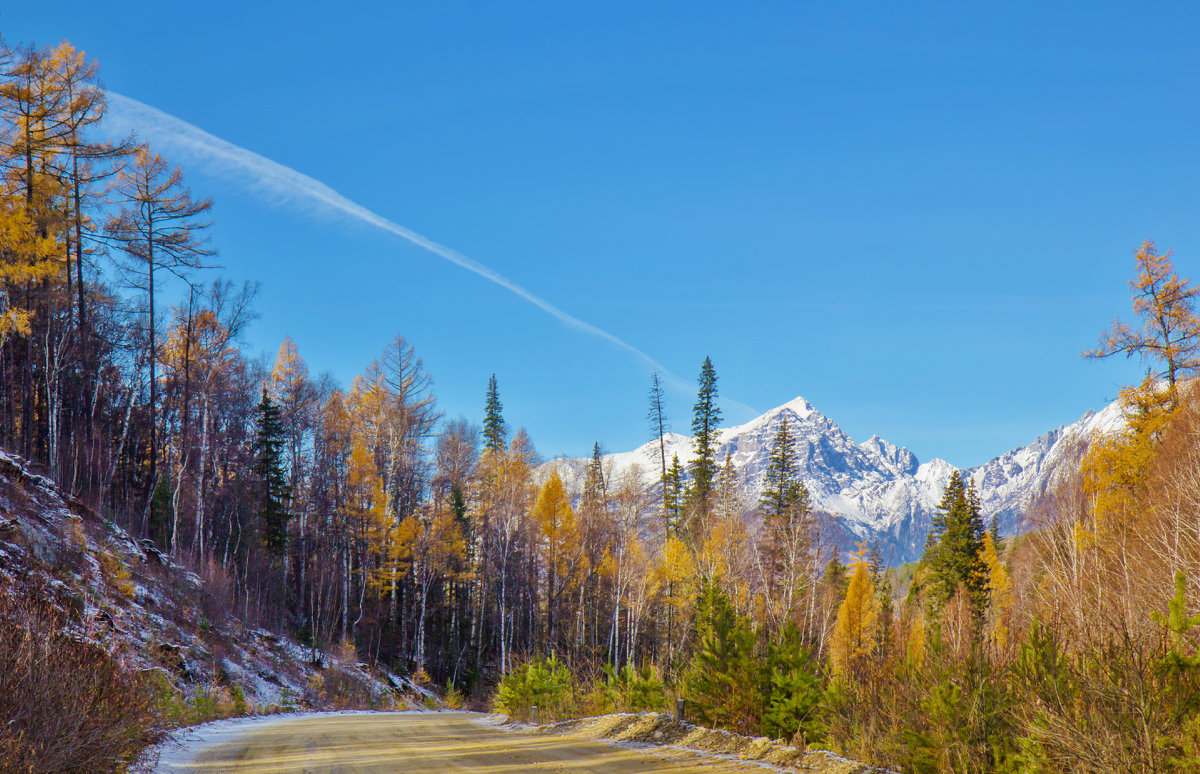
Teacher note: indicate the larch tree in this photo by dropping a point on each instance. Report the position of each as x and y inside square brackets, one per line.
[1000, 593]
[1169, 334]
[559, 543]
[27, 260]
[159, 227]
[657, 417]
[856, 630]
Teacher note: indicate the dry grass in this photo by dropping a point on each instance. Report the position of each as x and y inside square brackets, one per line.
[65, 704]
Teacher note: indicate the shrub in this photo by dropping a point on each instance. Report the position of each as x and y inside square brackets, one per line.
[633, 690]
[454, 698]
[542, 683]
[340, 689]
[73, 707]
[116, 574]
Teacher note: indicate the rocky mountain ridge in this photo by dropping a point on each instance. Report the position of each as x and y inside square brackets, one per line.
[875, 490]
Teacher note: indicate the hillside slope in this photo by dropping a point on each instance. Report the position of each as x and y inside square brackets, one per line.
[146, 609]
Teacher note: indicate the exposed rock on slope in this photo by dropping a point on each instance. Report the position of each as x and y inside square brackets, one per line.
[136, 602]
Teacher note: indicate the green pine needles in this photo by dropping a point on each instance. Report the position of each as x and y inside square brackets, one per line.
[706, 418]
[494, 431]
[954, 552]
[268, 468]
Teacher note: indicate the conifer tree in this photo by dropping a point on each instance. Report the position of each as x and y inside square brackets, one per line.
[594, 485]
[559, 545]
[657, 417]
[705, 420]
[727, 501]
[1170, 331]
[795, 691]
[954, 554]
[494, 431]
[999, 592]
[268, 468]
[787, 526]
[856, 629]
[784, 495]
[673, 496]
[724, 683]
[159, 228]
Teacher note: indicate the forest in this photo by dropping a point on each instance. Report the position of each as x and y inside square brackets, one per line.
[358, 516]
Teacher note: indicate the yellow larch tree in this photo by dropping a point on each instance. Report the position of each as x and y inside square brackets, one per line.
[559, 546]
[856, 629]
[27, 260]
[1170, 331]
[999, 592]
[674, 571]
[366, 516]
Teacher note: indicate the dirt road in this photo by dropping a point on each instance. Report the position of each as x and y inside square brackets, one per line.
[419, 743]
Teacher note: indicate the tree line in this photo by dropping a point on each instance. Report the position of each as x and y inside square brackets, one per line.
[361, 515]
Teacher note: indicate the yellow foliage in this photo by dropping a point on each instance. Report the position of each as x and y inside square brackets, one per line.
[1000, 588]
[675, 571]
[915, 644]
[26, 260]
[202, 343]
[719, 547]
[561, 539]
[857, 625]
[289, 370]
[116, 573]
[1115, 467]
[1165, 303]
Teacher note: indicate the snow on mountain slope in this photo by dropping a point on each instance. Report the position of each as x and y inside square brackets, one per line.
[874, 490]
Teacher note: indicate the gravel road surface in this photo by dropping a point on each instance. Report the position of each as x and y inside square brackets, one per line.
[416, 743]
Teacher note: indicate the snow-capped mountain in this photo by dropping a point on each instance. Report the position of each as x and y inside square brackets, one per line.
[874, 490]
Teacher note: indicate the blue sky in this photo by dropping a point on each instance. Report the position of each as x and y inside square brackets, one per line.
[914, 215]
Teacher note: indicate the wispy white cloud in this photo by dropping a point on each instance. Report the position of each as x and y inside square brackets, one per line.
[284, 184]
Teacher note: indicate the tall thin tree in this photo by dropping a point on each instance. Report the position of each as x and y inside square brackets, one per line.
[159, 227]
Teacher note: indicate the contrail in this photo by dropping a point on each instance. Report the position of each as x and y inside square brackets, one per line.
[282, 182]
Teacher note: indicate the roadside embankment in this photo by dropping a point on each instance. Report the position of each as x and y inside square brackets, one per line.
[660, 729]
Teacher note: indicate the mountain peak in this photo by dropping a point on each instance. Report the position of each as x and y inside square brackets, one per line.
[877, 489]
[798, 406]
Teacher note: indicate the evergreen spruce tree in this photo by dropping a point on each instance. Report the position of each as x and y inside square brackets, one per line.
[727, 501]
[274, 492]
[594, 486]
[706, 418]
[875, 562]
[795, 690]
[954, 553]
[784, 495]
[834, 578]
[494, 431]
[724, 683]
[673, 495]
